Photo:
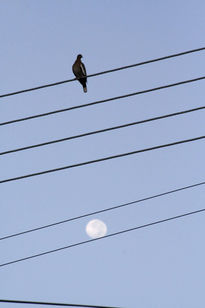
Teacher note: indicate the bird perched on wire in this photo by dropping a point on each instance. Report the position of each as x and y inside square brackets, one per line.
[80, 72]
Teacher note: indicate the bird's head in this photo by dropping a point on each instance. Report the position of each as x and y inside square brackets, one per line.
[79, 56]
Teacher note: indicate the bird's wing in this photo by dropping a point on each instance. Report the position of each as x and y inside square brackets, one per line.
[82, 66]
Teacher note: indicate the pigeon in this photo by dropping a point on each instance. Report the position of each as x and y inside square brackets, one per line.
[80, 72]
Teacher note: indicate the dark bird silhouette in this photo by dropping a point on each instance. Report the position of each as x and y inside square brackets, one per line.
[80, 72]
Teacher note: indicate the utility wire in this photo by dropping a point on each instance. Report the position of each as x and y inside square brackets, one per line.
[102, 101]
[101, 131]
[50, 304]
[103, 210]
[101, 159]
[106, 236]
[105, 72]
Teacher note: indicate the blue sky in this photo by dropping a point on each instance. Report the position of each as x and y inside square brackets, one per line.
[161, 266]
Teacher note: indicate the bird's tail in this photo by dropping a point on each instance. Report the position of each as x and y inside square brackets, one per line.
[85, 89]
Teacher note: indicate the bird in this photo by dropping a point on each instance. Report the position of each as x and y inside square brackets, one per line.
[79, 71]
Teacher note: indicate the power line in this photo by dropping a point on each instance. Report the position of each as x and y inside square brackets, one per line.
[101, 101]
[50, 304]
[106, 236]
[101, 159]
[102, 211]
[105, 72]
[101, 131]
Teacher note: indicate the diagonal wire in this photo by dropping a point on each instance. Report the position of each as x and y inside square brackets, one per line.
[104, 237]
[105, 72]
[135, 202]
[51, 304]
[101, 131]
[102, 101]
[101, 159]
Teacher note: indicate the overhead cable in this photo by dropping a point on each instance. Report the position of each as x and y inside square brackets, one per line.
[51, 304]
[100, 159]
[135, 202]
[101, 101]
[104, 72]
[104, 237]
[101, 131]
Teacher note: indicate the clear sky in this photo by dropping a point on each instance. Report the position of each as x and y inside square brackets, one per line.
[161, 266]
